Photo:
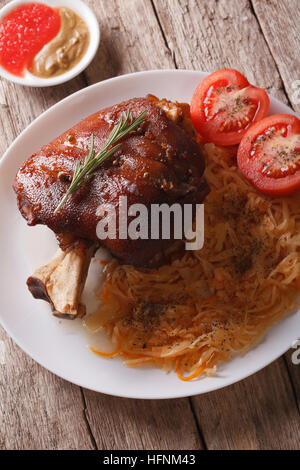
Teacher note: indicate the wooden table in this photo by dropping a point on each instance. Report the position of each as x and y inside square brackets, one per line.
[41, 411]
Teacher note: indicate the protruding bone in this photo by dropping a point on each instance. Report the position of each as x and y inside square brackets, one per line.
[61, 281]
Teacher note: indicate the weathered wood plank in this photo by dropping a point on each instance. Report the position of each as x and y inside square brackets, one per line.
[44, 424]
[279, 22]
[7, 125]
[119, 423]
[37, 409]
[218, 34]
[207, 36]
[26, 103]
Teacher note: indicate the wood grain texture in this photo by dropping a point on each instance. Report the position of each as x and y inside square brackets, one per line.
[279, 22]
[257, 413]
[131, 40]
[129, 30]
[118, 423]
[39, 410]
[215, 34]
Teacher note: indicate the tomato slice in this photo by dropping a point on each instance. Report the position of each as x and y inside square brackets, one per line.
[269, 155]
[225, 105]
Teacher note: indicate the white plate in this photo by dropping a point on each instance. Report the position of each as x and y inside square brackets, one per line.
[62, 346]
[87, 15]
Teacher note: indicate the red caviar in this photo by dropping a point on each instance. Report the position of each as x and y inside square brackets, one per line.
[23, 33]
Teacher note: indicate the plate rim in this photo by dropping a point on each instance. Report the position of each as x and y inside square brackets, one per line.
[105, 390]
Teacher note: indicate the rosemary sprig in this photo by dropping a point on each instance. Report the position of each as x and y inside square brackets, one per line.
[84, 171]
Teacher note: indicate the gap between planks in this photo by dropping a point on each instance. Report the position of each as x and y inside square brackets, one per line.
[173, 55]
[284, 89]
[86, 420]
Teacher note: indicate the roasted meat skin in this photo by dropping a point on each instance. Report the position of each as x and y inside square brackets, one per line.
[158, 163]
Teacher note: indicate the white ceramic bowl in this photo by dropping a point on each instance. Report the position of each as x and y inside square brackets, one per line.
[86, 14]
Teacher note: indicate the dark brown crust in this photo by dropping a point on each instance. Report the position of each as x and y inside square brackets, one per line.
[161, 149]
